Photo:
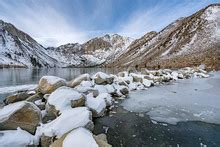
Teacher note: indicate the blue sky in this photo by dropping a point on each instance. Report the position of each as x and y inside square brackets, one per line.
[56, 22]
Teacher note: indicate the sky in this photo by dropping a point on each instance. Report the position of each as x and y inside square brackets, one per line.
[57, 22]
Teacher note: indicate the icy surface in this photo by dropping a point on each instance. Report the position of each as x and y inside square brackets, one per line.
[67, 121]
[194, 99]
[11, 89]
[18, 138]
[79, 138]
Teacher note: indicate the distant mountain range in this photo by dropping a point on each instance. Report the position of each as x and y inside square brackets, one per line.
[188, 41]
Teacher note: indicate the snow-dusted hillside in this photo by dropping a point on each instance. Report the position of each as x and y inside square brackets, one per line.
[97, 51]
[17, 49]
[186, 42]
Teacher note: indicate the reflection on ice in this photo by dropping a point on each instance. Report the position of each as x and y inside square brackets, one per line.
[185, 100]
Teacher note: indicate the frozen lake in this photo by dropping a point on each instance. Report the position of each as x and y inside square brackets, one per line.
[195, 99]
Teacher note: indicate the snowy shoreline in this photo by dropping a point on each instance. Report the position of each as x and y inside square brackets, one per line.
[56, 102]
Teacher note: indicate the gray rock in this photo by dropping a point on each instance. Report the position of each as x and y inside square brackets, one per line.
[23, 114]
[16, 97]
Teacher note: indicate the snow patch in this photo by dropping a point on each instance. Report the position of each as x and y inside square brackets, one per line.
[79, 138]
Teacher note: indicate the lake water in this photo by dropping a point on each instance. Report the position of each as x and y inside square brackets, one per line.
[15, 79]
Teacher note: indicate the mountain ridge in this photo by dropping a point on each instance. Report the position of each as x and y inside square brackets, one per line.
[188, 41]
[185, 40]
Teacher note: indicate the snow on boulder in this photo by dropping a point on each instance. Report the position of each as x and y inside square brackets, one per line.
[75, 82]
[147, 83]
[137, 77]
[97, 105]
[18, 138]
[79, 137]
[48, 84]
[107, 97]
[20, 96]
[132, 86]
[86, 87]
[174, 75]
[67, 121]
[121, 90]
[201, 75]
[86, 84]
[110, 89]
[103, 79]
[101, 88]
[65, 98]
[22, 114]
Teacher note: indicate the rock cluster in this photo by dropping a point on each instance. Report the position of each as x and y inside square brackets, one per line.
[59, 113]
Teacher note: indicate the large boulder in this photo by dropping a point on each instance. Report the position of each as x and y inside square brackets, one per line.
[96, 105]
[75, 82]
[35, 97]
[103, 79]
[70, 119]
[48, 84]
[20, 96]
[147, 83]
[137, 77]
[79, 137]
[64, 98]
[23, 114]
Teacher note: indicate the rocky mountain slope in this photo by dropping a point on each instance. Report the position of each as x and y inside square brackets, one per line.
[186, 42]
[97, 51]
[18, 49]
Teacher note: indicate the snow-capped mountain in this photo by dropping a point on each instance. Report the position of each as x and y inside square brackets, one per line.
[97, 51]
[186, 42]
[18, 49]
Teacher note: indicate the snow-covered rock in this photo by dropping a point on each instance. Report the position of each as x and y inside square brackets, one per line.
[78, 80]
[101, 88]
[48, 84]
[110, 89]
[18, 138]
[103, 78]
[80, 137]
[97, 105]
[132, 86]
[20, 96]
[22, 114]
[147, 83]
[65, 98]
[70, 119]
[107, 97]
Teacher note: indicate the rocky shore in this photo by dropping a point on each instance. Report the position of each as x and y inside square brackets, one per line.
[60, 113]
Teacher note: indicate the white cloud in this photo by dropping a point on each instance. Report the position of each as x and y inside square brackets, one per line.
[50, 27]
[157, 17]
[44, 24]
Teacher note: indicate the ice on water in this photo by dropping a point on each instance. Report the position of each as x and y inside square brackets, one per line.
[196, 99]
